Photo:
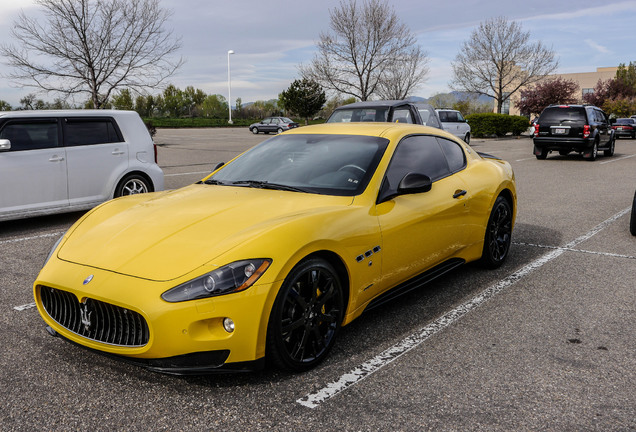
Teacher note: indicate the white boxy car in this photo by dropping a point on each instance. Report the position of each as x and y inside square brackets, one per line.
[453, 122]
[69, 160]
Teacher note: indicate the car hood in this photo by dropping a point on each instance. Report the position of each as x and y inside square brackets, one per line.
[164, 236]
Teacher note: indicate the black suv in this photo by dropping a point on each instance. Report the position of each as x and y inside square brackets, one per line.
[584, 129]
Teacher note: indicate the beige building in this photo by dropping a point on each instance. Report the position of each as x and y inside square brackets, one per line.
[585, 80]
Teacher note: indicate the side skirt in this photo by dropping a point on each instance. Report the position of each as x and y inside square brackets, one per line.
[416, 282]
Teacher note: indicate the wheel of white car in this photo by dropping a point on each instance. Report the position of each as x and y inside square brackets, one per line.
[132, 184]
[467, 138]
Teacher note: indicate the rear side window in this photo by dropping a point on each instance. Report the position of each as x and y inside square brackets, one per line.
[90, 131]
[560, 115]
[31, 135]
[454, 154]
[402, 115]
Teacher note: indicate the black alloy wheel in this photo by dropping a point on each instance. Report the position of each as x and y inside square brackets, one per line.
[306, 316]
[498, 234]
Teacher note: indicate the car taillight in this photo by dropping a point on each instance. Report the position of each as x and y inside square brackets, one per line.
[586, 131]
[155, 147]
[536, 129]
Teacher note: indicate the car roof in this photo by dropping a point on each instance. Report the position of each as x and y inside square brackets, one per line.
[379, 103]
[66, 113]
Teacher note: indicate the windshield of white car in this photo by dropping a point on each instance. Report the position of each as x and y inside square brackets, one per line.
[323, 164]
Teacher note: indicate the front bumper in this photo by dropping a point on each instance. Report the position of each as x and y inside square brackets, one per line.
[559, 143]
[185, 337]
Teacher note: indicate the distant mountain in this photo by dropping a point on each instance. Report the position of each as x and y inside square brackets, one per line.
[457, 95]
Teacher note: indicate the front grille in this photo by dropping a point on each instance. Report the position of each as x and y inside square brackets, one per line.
[96, 320]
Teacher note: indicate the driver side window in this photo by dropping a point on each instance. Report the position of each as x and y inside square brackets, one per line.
[416, 154]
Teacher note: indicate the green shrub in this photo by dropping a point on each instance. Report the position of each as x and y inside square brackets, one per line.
[492, 124]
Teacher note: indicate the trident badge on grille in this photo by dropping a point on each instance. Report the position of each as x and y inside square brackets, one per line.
[85, 315]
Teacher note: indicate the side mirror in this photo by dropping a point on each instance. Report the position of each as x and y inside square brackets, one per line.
[414, 183]
[5, 145]
[219, 165]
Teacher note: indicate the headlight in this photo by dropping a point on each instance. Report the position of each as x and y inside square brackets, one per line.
[233, 277]
[57, 243]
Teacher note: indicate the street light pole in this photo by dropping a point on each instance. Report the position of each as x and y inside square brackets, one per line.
[229, 87]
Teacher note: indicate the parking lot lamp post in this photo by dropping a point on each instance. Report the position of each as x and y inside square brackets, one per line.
[229, 87]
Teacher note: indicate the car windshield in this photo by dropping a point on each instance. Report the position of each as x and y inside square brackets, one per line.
[379, 114]
[323, 164]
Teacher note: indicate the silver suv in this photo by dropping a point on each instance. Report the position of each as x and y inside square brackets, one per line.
[69, 160]
[453, 122]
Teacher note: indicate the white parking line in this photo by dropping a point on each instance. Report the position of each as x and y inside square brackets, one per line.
[313, 400]
[525, 159]
[24, 307]
[21, 239]
[617, 159]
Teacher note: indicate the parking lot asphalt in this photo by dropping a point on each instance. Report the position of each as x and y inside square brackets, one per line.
[546, 342]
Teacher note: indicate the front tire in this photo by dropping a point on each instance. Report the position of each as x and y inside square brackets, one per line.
[498, 234]
[131, 185]
[306, 316]
[255, 131]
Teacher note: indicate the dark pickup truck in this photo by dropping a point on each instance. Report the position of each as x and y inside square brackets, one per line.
[393, 111]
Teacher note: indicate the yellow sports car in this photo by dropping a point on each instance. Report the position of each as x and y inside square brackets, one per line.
[267, 257]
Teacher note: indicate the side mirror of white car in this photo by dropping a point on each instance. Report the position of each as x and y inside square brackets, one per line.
[5, 145]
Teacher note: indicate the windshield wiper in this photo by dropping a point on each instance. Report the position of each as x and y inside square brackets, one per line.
[267, 185]
[213, 182]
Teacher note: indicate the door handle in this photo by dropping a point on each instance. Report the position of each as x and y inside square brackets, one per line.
[117, 152]
[56, 158]
[459, 193]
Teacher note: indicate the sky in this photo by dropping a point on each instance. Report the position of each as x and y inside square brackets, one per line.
[271, 39]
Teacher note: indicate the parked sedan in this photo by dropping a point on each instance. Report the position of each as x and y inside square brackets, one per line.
[273, 124]
[625, 127]
[272, 253]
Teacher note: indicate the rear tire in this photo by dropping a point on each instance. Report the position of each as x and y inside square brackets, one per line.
[593, 152]
[610, 152]
[467, 138]
[543, 154]
[131, 185]
[498, 234]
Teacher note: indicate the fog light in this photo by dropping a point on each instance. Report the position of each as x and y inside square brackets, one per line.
[228, 325]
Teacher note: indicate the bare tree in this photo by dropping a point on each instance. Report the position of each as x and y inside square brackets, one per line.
[499, 59]
[404, 74]
[367, 53]
[93, 47]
